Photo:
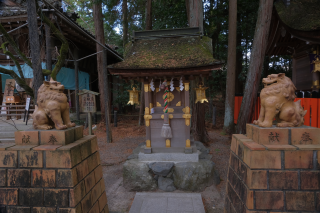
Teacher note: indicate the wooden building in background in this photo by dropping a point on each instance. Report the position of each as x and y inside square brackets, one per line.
[295, 31]
[13, 16]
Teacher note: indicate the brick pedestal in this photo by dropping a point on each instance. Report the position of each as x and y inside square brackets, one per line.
[274, 170]
[63, 177]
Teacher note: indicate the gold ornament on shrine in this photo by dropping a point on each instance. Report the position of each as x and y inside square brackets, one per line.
[316, 64]
[133, 96]
[201, 94]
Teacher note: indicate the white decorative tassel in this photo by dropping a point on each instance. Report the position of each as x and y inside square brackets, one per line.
[152, 85]
[171, 85]
[181, 84]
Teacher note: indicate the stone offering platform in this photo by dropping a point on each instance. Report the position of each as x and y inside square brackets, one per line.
[170, 171]
[274, 170]
[169, 157]
[167, 203]
[64, 176]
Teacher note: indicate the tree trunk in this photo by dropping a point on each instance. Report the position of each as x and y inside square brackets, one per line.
[266, 66]
[48, 48]
[256, 62]
[102, 67]
[149, 15]
[198, 125]
[231, 68]
[35, 47]
[239, 59]
[106, 96]
[141, 112]
[125, 22]
[195, 13]
[98, 24]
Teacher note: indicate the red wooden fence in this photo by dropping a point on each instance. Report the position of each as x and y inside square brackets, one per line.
[312, 105]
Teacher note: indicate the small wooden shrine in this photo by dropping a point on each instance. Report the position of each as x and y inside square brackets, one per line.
[175, 57]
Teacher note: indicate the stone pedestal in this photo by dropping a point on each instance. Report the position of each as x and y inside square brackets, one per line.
[274, 170]
[187, 172]
[63, 175]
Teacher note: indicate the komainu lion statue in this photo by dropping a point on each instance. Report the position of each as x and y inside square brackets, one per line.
[277, 101]
[53, 108]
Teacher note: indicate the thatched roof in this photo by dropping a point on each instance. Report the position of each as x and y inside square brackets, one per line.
[300, 14]
[168, 53]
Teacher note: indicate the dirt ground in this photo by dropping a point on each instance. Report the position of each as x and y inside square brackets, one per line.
[127, 136]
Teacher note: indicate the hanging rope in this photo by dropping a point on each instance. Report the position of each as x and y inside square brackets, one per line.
[166, 97]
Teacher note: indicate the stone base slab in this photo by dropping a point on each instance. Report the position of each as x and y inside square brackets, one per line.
[52, 178]
[278, 177]
[49, 137]
[169, 157]
[167, 202]
[303, 135]
[187, 176]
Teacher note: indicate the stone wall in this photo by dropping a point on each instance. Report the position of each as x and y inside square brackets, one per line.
[274, 170]
[52, 178]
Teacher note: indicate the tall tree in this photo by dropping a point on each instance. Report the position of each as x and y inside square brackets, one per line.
[103, 86]
[34, 46]
[195, 13]
[125, 22]
[149, 15]
[198, 128]
[256, 62]
[231, 68]
[198, 125]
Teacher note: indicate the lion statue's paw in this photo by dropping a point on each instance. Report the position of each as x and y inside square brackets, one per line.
[61, 127]
[256, 122]
[71, 125]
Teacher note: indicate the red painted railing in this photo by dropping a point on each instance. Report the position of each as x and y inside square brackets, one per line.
[312, 105]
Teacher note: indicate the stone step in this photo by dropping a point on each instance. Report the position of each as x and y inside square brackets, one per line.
[7, 140]
[167, 202]
[6, 134]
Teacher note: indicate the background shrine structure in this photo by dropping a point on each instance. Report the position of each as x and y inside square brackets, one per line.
[156, 55]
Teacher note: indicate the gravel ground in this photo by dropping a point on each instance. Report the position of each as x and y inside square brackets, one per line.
[113, 156]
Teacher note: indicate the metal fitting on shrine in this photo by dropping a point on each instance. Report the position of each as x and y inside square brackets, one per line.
[201, 94]
[133, 96]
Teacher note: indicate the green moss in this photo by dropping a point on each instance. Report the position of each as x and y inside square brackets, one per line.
[300, 15]
[167, 53]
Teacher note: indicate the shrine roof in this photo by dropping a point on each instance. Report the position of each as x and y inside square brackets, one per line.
[168, 53]
[300, 15]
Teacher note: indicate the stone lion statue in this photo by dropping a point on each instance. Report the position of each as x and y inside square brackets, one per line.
[277, 101]
[53, 108]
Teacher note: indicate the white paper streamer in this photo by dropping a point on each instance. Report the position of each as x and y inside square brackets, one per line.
[181, 84]
[171, 85]
[152, 85]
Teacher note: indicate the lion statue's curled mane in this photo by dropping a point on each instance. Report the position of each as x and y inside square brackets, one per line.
[277, 101]
[52, 109]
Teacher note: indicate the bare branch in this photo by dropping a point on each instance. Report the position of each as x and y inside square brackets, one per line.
[8, 53]
[21, 82]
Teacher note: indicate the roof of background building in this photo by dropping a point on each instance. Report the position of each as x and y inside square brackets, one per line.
[300, 15]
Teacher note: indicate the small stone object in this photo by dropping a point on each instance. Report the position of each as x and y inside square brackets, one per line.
[166, 184]
[191, 176]
[136, 176]
[161, 168]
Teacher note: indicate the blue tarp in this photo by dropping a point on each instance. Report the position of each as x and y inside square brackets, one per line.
[65, 76]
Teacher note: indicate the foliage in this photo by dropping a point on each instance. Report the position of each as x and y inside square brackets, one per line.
[167, 14]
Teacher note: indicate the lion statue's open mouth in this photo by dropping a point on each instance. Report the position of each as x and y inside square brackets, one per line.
[277, 101]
